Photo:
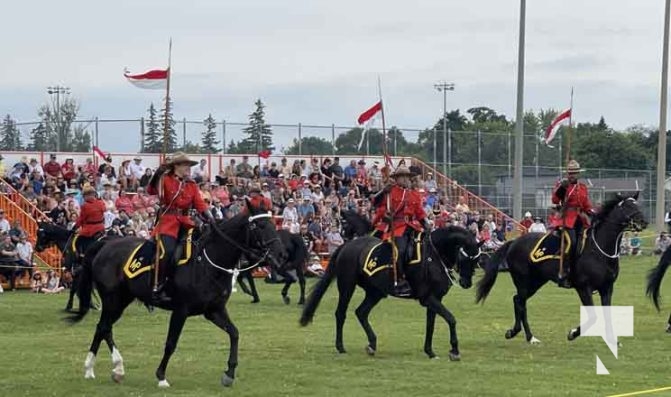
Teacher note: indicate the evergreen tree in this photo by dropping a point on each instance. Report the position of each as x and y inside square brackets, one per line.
[81, 140]
[259, 134]
[10, 138]
[209, 140]
[59, 122]
[152, 136]
[39, 137]
[172, 134]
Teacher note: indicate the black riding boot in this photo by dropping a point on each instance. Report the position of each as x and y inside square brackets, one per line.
[161, 295]
[401, 285]
[569, 261]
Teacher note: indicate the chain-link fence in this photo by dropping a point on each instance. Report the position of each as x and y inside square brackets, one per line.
[481, 161]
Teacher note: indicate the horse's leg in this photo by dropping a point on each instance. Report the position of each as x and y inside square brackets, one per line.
[668, 325]
[108, 316]
[118, 370]
[177, 320]
[241, 282]
[433, 303]
[345, 292]
[285, 290]
[606, 299]
[301, 283]
[585, 295]
[372, 298]
[73, 292]
[252, 286]
[517, 327]
[222, 320]
[428, 336]
[535, 285]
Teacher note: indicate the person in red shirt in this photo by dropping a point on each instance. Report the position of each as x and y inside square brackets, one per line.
[90, 224]
[177, 196]
[575, 208]
[399, 215]
[68, 169]
[52, 168]
[526, 222]
[124, 202]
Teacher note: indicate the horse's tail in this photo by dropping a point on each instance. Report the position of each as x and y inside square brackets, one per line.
[655, 277]
[85, 283]
[486, 283]
[319, 290]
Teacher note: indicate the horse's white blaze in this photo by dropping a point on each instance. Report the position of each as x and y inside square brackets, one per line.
[89, 363]
[163, 384]
[117, 361]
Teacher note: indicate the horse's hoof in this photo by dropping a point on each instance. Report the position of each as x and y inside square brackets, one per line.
[341, 350]
[227, 381]
[117, 378]
[431, 354]
[286, 299]
[89, 375]
[668, 329]
[163, 384]
[510, 334]
[534, 341]
[455, 356]
[370, 350]
[572, 335]
[256, 301]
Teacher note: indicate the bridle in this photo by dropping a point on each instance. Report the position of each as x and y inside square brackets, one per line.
[447, 267]
[628, 225]
[248, 251]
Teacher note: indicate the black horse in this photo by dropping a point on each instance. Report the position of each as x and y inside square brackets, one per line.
[297, 255]
[50, 234]
[655, 277]
[596, 269]
[354, 225]
[441, 251]
[202, 286]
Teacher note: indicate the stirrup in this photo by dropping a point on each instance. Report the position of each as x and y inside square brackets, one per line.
[160, 296]
[402, 288]
[563, 281]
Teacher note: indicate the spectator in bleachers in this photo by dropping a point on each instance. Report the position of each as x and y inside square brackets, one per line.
[24, 249]
[430, 183]
[136, 170]
[662, 242]
[334, 239]
[462, 206]
[305, 208]
[105, 164]
[68, 169]
[244, 169]
[52, 168]
[107, 177]
[89, 167]
[199, 172]
[290, 217]
[4, 223]
[537, 226]
[317, 195]
[287, 169]
[52, 284]
[35, 167]
[124, 202]
[527, 221]
[16, 231]
[625, 246]
[218, 212]
[146, 177]
[635, 243]
[124, 174]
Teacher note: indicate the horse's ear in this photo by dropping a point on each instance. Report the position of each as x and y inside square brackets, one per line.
[619, 196]
[635, 196]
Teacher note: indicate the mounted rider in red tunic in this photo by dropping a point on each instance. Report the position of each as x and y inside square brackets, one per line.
[573, 197]
[178, 195]
[399, 215]
[91, 221]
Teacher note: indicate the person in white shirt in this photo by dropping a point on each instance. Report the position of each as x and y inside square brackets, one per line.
[317, 195]
[34, 166]
[537, 226]
[109, 216]
[4, 223]
[25, 250]
[199, 172]
[290, 217]
[136, 168]
[334, 239]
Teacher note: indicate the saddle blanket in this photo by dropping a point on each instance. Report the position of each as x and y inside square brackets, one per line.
[549, 246]
[142, 257]
[382, 255]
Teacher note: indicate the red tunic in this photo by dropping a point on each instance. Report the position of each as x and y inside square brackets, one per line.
[91, 220]
[406, 209]
[175, 202]
[576, 203]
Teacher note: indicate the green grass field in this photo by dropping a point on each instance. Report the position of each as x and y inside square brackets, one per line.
[42, 356]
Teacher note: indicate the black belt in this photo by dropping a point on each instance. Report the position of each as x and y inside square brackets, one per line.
[175, 211]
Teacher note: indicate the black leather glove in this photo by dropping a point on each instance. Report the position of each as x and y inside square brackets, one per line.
[153, 182]
[207, 217]
[564, 183]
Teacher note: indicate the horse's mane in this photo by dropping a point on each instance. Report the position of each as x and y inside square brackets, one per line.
[452, 231]
[607, 208]
[233, 224]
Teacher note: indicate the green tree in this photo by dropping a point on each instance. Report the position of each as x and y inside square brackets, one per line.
[152, 136]
[209, 138]
[192, 148]
[10, 137]
[81, 140]
[259, 134]
[311, 145]
[171, 144]
[58, 120]
[39, 137]
[348, 142]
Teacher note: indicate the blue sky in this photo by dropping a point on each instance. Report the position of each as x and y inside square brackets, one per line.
[317, 62]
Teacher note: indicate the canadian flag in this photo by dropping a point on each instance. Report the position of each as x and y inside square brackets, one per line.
[151, 80]
[366, 116]
[558, 121]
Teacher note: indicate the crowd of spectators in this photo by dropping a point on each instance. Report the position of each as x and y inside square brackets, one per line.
[308, 195]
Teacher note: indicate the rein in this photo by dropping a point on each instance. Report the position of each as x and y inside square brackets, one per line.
[449, 269]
